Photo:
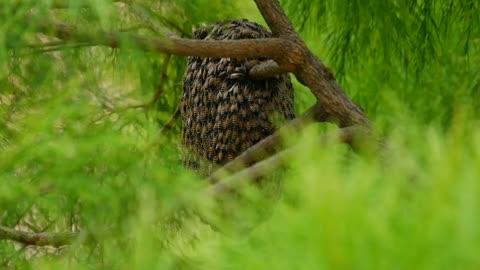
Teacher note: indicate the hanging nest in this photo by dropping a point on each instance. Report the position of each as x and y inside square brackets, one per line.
[223, 111]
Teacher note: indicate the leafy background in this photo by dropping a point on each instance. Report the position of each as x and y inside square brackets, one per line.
[81, 147]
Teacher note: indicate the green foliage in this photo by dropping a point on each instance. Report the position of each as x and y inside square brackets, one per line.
[80, 146]
[413, 32]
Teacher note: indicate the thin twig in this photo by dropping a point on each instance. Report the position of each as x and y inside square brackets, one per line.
[171, 122]
[111, 111]
[65, 46]
[163, 79]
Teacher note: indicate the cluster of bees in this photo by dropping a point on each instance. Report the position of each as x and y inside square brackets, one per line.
[223, 111]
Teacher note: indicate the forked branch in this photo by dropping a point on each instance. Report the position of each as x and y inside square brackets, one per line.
[286, 48]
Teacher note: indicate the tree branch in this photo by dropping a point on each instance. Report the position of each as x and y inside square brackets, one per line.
[309, 69]
[249, 174]
[38, 239]
[263, 168]
[270, 144]
[276, 18]
[330, 95]
[265, 70]
[246, 48]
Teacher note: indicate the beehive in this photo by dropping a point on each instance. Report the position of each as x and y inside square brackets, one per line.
[223, 111]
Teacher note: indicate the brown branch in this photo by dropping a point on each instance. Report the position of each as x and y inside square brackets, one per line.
[268, 145]
[276, 18]
[265, 70]
[255, 48]
[260, 169]
[323, 85]
[249, 174]
[309, 69]
[38, 239]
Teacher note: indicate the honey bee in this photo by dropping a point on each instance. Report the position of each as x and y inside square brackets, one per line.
[210, 152]
[237, 141]
[234, 119]
[220, 136]
[252, 63]
[228, 120]
[257, 135]
[240, 69]
[201, 115]
[212, 68]
[219, 95]
[234, 135]
[264, 94]
[248, 124]
[223, 125]
[193, 66]
[214, 81]
[244, 147]
[240, 98]
[222, 109]
[225, 95]
[243, 112]
[235, 90]
[254, 107]
[224, 145]
[198, 128]
[235, 76]
[234, 107]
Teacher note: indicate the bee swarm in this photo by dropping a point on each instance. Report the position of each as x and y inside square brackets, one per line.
[223, 111]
